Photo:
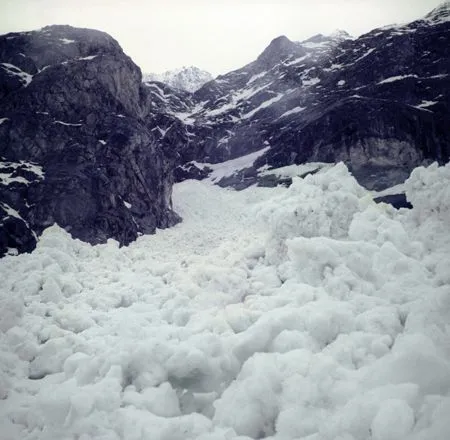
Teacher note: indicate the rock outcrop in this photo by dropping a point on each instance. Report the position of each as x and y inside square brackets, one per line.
[76, 144]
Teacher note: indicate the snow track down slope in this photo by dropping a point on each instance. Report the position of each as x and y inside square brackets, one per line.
[301, 313]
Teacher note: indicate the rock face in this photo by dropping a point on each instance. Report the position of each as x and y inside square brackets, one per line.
[380, 103]
[76, 141]
[189, 79]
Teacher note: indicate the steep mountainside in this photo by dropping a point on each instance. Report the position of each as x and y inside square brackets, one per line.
[379, 102]
[86, 144]
[76, 142]
[189, 79]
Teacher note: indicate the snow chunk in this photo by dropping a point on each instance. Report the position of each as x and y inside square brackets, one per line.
[262, 305]
[428, 189]
[3, 120]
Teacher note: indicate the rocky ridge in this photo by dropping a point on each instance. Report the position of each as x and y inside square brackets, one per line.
[379, 102]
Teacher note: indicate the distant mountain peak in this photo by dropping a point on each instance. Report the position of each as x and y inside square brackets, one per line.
[336, 35]
[340, 34]
[188, 78]
[440, 14]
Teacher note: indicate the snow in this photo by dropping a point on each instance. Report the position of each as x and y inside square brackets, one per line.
[296, 60]
[102, 141]
[255, 77]
[340, 34]
[25, 77]
[159, 90]
[311, 81]
[292, 112]
[334, 67]
[66, 40]
[265, 104]
[162, 131]
[230, 167]
[91, 57]
[396, 78]
[364, 55]
[341, 82]
[6, 178]
[439, 15]
[425, 104]
[69, 124]
[306, 312]
[189, 79]
[10, 211]
[235, 99]
[3, 120]
[396, 189]
[313, 45]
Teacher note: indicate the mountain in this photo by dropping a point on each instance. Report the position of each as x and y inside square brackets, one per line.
[379, 102]
[76, 141]
[86, 144]
[189, 79]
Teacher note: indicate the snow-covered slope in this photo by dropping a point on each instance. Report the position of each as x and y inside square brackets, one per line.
[189, 79]
[301, 313]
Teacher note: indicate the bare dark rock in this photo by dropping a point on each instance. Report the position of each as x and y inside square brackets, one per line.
[78, 121]
[396, 200]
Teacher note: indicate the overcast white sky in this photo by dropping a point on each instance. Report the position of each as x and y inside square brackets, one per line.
[215, 35]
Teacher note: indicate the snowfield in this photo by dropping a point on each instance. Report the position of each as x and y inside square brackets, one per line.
[301, 313]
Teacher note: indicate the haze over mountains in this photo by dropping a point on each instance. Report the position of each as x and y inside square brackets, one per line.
[88, 145]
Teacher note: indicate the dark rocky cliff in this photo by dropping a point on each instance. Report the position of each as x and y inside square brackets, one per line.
[75, 142]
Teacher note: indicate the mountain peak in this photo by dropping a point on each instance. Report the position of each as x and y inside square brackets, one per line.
[440, 14]
[340, 34]
[278, 48]
[188, 78]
